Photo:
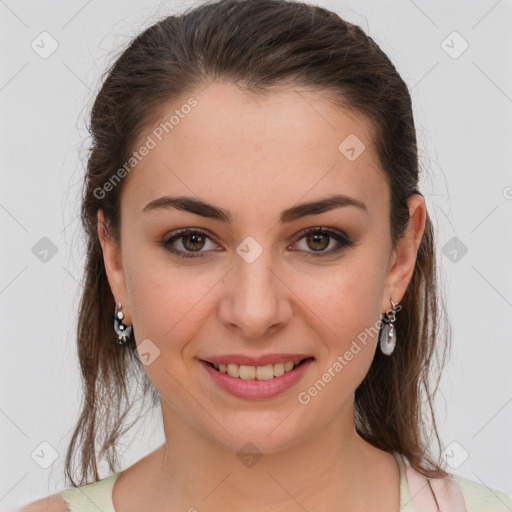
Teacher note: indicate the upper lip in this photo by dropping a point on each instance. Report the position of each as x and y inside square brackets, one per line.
[243, 359]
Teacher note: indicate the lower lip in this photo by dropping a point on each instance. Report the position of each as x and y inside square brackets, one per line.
[257, 388]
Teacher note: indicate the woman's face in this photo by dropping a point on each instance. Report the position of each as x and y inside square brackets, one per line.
[248, 280]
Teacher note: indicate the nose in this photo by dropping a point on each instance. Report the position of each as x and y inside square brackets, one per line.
[256, 298]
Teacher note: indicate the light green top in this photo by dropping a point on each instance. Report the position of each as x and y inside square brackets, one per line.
[478, 497]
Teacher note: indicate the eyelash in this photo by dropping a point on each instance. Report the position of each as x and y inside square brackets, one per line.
[343, 241]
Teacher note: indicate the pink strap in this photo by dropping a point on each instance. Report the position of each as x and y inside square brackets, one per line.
[433, 494]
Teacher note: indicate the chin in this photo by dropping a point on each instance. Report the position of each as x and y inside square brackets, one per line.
[258, 432]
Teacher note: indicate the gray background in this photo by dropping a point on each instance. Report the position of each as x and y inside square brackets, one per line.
[463, 110]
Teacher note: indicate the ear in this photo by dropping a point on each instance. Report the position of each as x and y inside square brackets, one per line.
[403, 262]
[113, 266]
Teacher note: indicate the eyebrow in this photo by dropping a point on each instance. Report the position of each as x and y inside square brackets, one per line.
[192, 205]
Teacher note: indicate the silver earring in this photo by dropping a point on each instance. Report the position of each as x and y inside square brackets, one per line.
[387, 335]
[123, 331]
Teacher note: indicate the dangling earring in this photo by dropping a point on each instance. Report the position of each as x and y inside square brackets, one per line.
[387, 335]
[123, 331]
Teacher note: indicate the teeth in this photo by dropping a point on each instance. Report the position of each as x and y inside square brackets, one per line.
[266, 372]
[234, 370]
[247, 372]
[279, 369]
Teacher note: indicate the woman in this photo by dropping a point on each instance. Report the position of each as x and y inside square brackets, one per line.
[253, 213]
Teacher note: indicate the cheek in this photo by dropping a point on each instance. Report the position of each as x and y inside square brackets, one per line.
[342, 308]
[168, 302]
[345, 300]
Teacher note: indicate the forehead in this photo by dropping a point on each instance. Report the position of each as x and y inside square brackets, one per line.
[223, 144]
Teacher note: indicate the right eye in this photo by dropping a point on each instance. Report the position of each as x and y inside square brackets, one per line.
[192, 241]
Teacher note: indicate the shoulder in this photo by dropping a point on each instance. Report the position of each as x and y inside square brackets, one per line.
[54, 503]
[78, 498]
[480, 498]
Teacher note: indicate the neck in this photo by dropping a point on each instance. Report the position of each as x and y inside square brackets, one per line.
[331, 468]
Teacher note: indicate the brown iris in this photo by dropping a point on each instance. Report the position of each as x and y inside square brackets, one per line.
[315, 241]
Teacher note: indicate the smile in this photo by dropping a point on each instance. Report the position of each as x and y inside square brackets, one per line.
[256, 382]
[265, 372]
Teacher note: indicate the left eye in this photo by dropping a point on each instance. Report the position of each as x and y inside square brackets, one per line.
[317, 239]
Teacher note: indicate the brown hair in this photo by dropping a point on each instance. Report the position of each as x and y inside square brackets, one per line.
[257, 44]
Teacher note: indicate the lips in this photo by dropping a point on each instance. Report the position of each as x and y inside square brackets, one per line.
[255, 388]
[263, 360]
[265, 372]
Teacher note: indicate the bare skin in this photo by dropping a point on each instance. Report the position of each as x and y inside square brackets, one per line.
[256, 158]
